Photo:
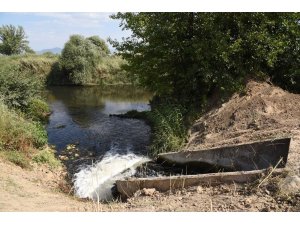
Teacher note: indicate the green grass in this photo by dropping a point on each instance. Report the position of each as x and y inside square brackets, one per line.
[18, 133]
[38, 110]
[109, 71]
[168, 128]
[21, 140]
[17, 157]
[47, 156]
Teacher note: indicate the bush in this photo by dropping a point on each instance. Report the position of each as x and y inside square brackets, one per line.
[80, 58]
[38, 66]
[17, 88]
[38, 110]
[17, 133]
[109, 71]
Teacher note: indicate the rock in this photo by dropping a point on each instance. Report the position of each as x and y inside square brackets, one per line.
[62, 157]
[248, 201]
[247, 205]
[137, 193]
[149, 191]
[265, 209]
[70, 147]
[76, 155]
[290, 184]
[199, 189]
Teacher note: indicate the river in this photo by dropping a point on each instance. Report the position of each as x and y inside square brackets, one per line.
[81, 117]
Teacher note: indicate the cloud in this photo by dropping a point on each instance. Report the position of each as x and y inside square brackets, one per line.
[48, 30]
[84, 20]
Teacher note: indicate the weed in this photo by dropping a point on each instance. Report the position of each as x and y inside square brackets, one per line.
[18, 133]
[47, 156]
[17, 157]
[38, 110]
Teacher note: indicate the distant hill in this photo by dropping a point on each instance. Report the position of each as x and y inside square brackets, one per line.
[53, 50]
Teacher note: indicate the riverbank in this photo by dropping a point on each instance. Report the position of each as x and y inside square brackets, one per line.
[40, 189]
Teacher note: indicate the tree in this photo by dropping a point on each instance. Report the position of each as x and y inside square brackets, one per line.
[80, 57]
[100, 44]
[13, 40]
[189, 56]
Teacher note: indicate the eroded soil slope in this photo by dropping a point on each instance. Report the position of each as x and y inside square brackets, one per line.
[263, 111]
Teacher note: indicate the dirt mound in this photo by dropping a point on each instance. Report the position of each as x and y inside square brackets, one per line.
[263, 111]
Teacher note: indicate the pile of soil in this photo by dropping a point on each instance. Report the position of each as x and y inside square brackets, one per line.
[262, 111]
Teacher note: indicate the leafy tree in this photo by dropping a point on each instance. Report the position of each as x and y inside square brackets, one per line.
[13, 40]
[80, 57]
[100, 43]
[189, 56]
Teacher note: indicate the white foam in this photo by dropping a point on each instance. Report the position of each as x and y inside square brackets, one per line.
[96, 181]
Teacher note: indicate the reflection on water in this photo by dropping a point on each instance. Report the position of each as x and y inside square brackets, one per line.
[81, 115]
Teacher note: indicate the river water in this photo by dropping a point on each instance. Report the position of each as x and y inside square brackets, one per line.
[81, 116]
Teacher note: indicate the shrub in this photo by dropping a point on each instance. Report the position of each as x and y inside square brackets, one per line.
[38, 110]
[80, 57]
[109, 71]
[17, 133]
[17, 88]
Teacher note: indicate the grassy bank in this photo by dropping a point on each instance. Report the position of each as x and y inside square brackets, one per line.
[107, 72]
[169, 126]
[23, 111]
[47, 70]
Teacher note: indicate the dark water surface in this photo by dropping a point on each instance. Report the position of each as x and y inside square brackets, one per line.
[80, 115]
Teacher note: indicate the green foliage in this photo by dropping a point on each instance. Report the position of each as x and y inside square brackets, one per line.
[17, 157]
[168, 129]
[13, 40]
[109, 71]
[17, 88]
[97, 41]
[38, 110]
[17, 133]
[191, 56]
[47, 156]
[187, 58]
[22, 80]
[39, 66]
[80, 57]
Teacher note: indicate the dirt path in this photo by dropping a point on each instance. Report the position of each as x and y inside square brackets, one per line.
[35, 190]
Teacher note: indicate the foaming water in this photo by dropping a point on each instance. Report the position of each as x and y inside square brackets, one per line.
[80, 116]
[96, 181]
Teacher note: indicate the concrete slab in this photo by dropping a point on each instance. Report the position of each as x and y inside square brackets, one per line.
[244, 157]
[128, 187]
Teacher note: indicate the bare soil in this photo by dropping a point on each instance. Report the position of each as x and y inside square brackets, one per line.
[262, 112]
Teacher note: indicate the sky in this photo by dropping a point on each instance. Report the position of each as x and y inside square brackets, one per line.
[50, 30]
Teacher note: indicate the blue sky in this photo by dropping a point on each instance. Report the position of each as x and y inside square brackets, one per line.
[49, 30]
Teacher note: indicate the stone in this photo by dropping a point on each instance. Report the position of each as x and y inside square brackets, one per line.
[199, 189]
[148, 191]
[248, 201]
